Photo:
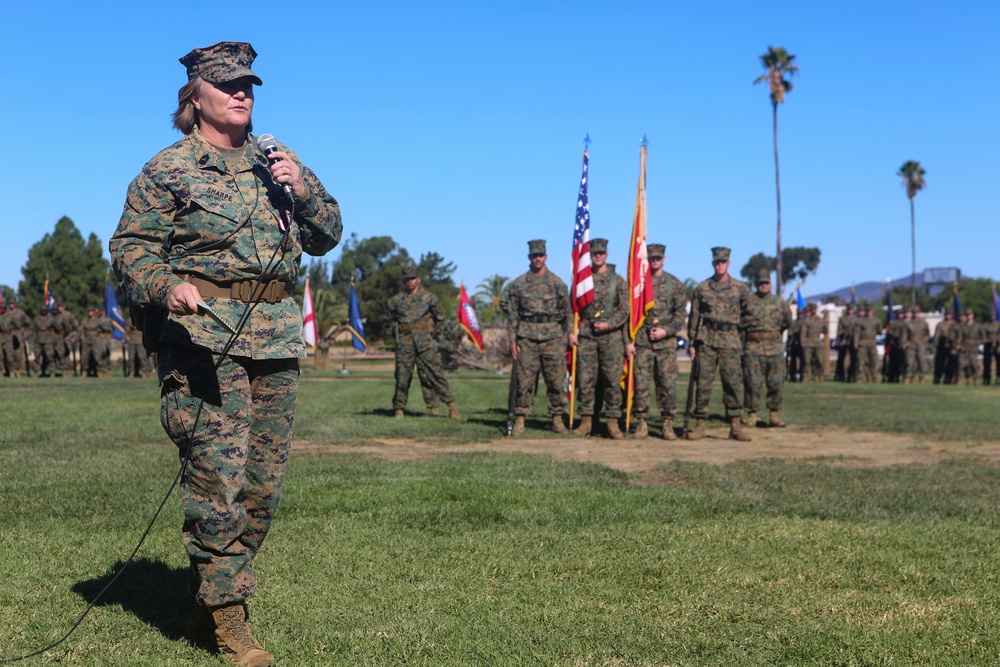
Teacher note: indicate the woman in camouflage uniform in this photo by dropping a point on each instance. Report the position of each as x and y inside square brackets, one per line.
[210, 219]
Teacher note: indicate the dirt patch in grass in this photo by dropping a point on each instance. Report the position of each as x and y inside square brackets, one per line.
[642, 458]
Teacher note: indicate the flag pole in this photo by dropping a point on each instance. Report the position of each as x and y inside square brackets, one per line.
[572, 375]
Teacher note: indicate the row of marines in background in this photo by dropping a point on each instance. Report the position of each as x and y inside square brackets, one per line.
[907, 345]
[55, 343]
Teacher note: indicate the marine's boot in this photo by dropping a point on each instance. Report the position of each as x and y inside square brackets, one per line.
[775, 420]
[200, 628]
[698, 432]
[586, 425]
[232, 635]
[668, 430]
[399, 413]
[452, 411]
[518, 426]
[613, 430]
[558, 426]
[641, 429]
[750, 419]
[433, 411]
[736, 431]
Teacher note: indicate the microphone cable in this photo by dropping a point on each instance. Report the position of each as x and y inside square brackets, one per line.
[241, 323]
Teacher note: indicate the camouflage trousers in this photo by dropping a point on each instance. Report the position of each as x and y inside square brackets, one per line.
[95, 355]
[138, 360]
[237, 423]
[760, 370]
[968, 363]
[547, 357]
[868, 362]
[600, 358]
[917, 364]
[49, 358]
[730, 368]
[429, 372]
[657, 367]
[11, 355]
[814, 362]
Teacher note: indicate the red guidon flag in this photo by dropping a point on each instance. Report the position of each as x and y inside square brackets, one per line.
[310, 332]
[467, 318]
[640, 282]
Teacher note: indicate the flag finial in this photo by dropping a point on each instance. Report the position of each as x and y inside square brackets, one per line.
[645, 142]
[586, 141]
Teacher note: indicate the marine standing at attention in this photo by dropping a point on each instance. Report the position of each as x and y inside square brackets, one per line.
[763, 355]
[222, 217]
[539, 319]
[601, 344]
[656, 347]
[719, 306]
[415, 315]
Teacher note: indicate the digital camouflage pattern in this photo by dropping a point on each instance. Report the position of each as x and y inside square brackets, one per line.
[602, 355]
[917, 364]
[414, 319]
[95, 345]
[720, 306]
[656, 361]
[969, 337]
[814, 343]
[192, 211]
[184, 216]
[539, 317]
[139, 361]
[866, 331]
[991, 349]
[946, 352]
[48, 345]
[13, 323]
[764, 353]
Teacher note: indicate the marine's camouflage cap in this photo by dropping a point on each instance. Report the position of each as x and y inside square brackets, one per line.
[221, 62]
[598, 245]
[537, 247]
[720, 254]
[656, 250]
[763, 276]
[410, 272]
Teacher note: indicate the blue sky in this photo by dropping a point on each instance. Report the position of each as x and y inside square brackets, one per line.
[457, 127]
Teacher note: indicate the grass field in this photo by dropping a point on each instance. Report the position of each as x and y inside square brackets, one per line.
[510, 559]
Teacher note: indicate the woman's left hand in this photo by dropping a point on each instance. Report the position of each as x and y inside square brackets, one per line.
[285, 171]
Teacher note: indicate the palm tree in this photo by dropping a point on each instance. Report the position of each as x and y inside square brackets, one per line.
[489, 292]
[778, 63]
[913, 180]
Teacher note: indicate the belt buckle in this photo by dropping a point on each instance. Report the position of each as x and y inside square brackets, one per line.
[271, 292]
[241, 291]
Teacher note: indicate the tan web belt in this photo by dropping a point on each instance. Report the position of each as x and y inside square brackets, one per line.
[248, 291]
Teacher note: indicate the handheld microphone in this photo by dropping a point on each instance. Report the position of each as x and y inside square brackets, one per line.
[268, 145]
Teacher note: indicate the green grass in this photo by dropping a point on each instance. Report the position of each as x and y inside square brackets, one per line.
[496, 559]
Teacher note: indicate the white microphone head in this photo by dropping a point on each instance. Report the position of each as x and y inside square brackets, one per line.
[267, 143]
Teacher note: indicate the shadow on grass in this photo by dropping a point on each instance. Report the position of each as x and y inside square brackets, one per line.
[154, 592]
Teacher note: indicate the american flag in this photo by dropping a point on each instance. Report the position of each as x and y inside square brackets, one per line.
[582, 287]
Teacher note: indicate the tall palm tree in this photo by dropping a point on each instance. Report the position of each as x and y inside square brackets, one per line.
[489, 292]
[913, 180]
[778, 64]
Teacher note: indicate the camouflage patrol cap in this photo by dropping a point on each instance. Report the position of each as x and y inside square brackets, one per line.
[598, 245]
[221, 62]
[654, 250]
[811, 308]
[763, 276]
[537, 247]
[720, 254]
[410, 272]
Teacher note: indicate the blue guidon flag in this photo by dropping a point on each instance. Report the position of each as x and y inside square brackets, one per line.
[112, 310]
[354, 323]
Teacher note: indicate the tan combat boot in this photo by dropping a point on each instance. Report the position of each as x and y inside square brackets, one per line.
[775, 420]
[641, 429]
[433, 411]
[399, 413]
[233, 638]
[558, 426]
[698, 432]
[586, 425]
[736, 431]
[668, 430]
[518, 426]
[452, 411]
[750, 419]
[613, 430]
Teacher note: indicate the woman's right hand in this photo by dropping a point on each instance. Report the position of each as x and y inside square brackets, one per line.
[183, 299]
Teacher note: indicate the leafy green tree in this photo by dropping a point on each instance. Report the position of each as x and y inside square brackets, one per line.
[778, 63]
[76, 270]
[973, 293]
[798, 262]
[487, 299]
[8, 293]
[435, 275]
[913, 180]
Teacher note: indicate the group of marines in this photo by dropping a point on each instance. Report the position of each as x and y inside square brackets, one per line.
[54, 343]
